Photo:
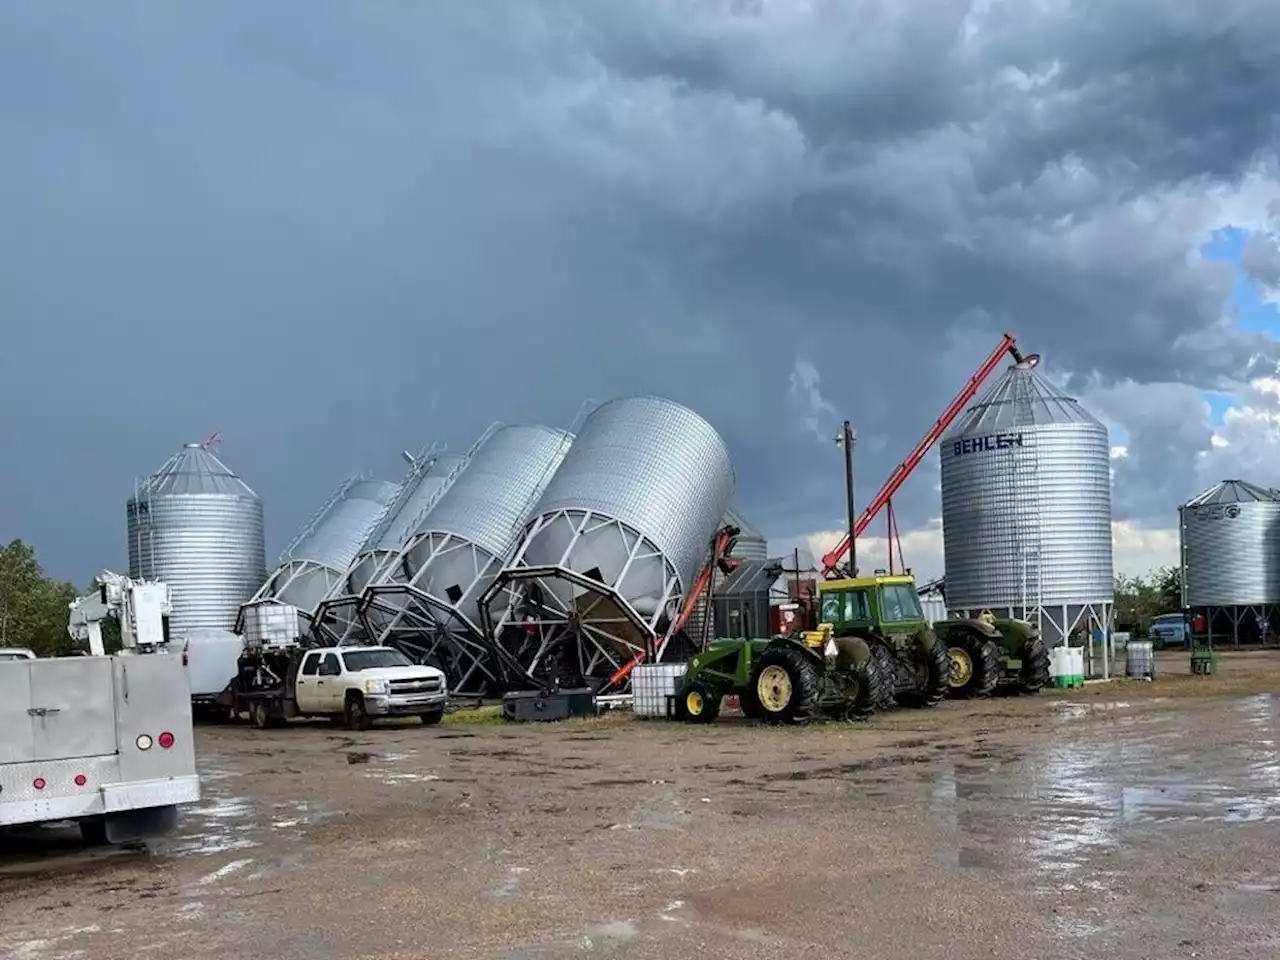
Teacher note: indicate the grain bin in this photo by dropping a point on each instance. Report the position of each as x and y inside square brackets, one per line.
[198, 527]
[1230, 539]
[615, 542]
[1026, 507]
[337, 619]
[322, 552]
[1230, 559]
[427, 601]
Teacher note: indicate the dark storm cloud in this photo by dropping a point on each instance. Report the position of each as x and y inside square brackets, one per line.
[335, 230]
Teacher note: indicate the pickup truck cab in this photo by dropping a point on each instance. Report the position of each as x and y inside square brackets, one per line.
[361, 683]
[1170, 630]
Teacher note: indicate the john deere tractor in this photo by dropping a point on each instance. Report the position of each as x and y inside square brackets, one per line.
[990, 652]
[785, 679]
[884, 613]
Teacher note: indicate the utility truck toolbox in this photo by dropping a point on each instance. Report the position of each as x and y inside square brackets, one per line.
[102, 740]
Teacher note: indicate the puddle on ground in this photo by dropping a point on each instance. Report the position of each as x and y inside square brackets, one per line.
[1073, 799]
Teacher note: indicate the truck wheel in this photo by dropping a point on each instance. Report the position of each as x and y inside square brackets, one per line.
[431, 718]
[975, 665]
[785, 682]
[698, 703]
[259, 715]
[94, 832]
[1035, 667]
[355, 714]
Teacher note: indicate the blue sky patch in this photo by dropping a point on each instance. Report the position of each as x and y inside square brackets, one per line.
[1248, 308]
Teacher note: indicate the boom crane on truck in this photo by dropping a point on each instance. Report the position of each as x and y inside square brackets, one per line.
[883, 500]
[141, 606]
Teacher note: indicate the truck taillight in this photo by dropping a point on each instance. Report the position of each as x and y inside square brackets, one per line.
[165, 740]
[81, 779]
[143, 742]
[38, 783]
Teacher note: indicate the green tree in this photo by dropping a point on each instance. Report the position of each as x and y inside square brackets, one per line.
[1138, 600]
[33, 608]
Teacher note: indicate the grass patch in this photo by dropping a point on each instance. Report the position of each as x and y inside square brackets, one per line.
[474, 715]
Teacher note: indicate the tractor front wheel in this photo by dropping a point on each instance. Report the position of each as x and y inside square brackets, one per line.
[1035, 667]
[785, 684]
[699, 703]
[975, 666]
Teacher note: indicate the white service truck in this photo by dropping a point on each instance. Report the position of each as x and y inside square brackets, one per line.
[105, 741]
[279, 678]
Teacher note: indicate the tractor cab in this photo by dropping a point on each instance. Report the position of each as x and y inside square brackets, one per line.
[884, 611]
[886, 605]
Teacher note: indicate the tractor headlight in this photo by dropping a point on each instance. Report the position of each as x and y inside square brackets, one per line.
[377, 686]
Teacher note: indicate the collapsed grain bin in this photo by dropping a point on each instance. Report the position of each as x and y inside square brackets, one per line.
[427, 602]
[616, 540]
[322, 552]
[431, 473]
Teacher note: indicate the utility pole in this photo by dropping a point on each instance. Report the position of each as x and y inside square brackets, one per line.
[847, 438]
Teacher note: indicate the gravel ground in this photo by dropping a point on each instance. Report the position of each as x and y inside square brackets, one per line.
[1128, 820]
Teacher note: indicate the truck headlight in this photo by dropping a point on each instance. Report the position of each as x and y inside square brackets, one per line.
[377, 686]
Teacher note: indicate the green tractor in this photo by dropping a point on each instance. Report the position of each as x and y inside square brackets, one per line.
[784, 679]
[994, 652]
[884, 612]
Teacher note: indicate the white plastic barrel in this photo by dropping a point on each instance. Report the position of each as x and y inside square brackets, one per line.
[1077, 666]
[1058, 666]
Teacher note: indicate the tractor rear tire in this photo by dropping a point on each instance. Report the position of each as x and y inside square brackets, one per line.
[786, 685]
[1035, 667]
[887, 668]
[937, 663]
[976, 664]
[698, 703]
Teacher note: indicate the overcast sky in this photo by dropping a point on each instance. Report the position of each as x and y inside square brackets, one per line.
[332, 231]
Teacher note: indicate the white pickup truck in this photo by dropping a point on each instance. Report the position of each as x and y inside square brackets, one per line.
[349, 684]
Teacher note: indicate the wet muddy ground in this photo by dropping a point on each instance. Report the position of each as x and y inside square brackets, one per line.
[1130, 820]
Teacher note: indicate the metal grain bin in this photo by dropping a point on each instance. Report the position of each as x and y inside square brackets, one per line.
[431, 591]
[319, 557]
[337, 618]
[621, 531]
[1026, 507]
[406, 518]
[1230, 538]
[198, 527]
